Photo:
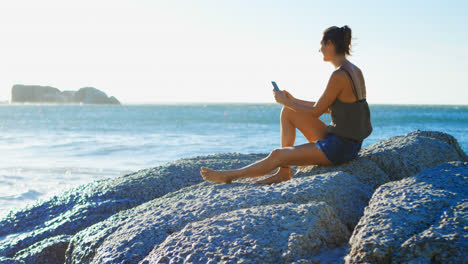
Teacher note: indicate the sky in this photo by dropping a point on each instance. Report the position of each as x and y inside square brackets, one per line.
[142, 51]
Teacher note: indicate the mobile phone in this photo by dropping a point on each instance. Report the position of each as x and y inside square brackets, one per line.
[275, 86]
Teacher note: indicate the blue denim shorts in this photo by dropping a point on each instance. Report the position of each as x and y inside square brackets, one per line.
[338, 150]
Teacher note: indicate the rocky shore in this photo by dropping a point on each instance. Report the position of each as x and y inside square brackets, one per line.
[403, 200]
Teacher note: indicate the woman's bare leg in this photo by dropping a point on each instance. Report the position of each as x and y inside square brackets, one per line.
[304, 154]
[312, 128]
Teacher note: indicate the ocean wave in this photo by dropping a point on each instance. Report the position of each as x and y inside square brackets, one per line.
[28, 195]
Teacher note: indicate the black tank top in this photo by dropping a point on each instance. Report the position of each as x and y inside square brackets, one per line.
[350, 120]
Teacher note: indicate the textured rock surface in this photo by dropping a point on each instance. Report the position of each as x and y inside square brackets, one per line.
[422, 218]
[50, 251]
[280, 233]
[85, 205]
[141, 215]
[46, 94]
[136, 231]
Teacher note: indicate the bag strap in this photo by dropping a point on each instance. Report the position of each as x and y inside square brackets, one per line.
[354, 88]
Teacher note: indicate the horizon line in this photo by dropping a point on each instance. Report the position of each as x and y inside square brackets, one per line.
[8, 102]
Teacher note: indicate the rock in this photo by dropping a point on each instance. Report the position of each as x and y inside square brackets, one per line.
[50, 251]
[139, 215]
[34, 93]
[4, 260]
[113, 100]
[406, 155]
[419, 219]
[46, 94]
[364, 170]
[69, 96]
[91, 95]
[141, 228]
[85, 205]
[277, 233]
[446, 241]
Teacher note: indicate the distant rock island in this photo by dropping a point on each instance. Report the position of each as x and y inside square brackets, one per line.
[47, 94]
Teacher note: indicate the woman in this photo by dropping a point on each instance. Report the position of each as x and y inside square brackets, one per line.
[340, 142]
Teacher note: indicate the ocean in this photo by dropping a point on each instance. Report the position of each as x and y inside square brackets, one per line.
[47, 149]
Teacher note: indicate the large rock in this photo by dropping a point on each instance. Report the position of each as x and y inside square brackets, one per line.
[50, 251]
[279, 233]
[144, 214]
[419, 219]
[130, 235]
[34, 93]
[91, 95]
[85, 205]
[46, 94]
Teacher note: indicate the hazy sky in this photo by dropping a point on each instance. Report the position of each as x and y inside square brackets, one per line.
[141, 51]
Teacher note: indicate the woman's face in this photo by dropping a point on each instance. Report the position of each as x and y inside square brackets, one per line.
[327, 49]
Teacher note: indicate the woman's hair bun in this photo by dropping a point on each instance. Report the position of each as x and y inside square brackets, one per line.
[347, 35]
[341, 38]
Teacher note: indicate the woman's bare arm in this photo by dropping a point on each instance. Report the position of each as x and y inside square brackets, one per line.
[309, 103]
[332, 91]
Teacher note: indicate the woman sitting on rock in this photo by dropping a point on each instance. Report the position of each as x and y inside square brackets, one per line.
[344, 98]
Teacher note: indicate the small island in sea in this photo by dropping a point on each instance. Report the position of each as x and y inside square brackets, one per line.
[46, 94]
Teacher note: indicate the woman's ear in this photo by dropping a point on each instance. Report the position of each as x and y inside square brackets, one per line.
[330, 45]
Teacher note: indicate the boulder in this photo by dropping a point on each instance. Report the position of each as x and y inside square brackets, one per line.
[50, 251]
[278, 233]
[419, 219]
[130, 235]
[85, 205]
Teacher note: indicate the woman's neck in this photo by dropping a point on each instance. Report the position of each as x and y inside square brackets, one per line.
[339, 60]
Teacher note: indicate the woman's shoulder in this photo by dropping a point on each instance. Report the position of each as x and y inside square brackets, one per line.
[349, 67]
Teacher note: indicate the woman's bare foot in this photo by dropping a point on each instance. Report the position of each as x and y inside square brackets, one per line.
[216, 176]
[283, 174]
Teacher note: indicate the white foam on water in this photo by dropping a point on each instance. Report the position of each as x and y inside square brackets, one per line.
[21, 186]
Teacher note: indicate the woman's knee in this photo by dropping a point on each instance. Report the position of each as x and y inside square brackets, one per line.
[279, 155]
[276, 153]
[287, 114]
[287, 110]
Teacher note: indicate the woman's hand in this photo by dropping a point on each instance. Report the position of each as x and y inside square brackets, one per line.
[281, 97]
[289, 95]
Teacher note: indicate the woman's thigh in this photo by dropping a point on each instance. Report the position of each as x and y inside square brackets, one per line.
[301, 155]
[310, 126]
